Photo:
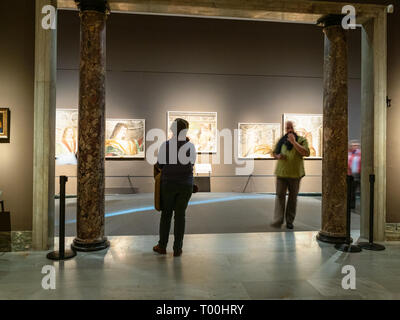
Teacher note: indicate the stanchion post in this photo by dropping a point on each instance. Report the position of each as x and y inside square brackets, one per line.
[370, 245]
[350, 181]
[371, 207]
[347, 246]
[61, 233]
[61, 254]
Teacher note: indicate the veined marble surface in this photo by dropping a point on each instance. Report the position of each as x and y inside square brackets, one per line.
[393, 231]
[15, 241]
[280, 265]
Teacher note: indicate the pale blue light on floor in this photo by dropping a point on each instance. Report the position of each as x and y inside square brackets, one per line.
[191, 203]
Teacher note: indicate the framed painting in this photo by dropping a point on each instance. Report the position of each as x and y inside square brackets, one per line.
[125, 139]
[310, 127]
[66, 136]
[5, 125]
[202, 129]
[257, 140]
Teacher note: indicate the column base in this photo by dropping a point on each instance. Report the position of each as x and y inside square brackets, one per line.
[84, 246]
[331, 239]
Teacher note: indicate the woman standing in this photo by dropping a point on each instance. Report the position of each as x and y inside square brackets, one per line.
[176, 159]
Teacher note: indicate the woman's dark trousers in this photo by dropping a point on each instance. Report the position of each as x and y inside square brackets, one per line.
[174, 198]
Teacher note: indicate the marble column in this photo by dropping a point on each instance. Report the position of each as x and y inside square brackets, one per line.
[91, 179]
[335, 127]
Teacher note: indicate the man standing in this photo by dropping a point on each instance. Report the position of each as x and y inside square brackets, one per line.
[289, 151]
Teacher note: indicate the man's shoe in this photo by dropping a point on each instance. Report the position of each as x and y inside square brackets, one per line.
[177, 253]
[289, 225]
[159, 250]
[276, 225]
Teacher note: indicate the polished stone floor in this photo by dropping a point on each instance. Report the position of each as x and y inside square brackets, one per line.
[279, 265]
[207, 213]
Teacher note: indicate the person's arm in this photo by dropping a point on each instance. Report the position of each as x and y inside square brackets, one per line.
[279, 156]
[162, 156]
[303, 150]
[193, 154]
[157, 166]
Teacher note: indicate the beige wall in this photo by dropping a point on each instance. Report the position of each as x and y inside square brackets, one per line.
[17, 34]
[246, 71]
[393, 131]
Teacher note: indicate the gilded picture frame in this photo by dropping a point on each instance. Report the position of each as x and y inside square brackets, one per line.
[5, 124]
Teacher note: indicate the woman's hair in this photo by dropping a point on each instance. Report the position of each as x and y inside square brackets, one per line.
[117, 129]
[178, 125]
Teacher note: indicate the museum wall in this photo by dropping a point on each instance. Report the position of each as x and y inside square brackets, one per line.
[17, 34]
[247, 71]
[393, 128]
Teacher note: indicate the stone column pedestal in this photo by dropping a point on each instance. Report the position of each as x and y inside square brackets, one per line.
[335, 136]
[91, 145]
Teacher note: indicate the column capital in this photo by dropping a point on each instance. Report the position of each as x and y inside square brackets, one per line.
[94, 5]
[330, 20]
